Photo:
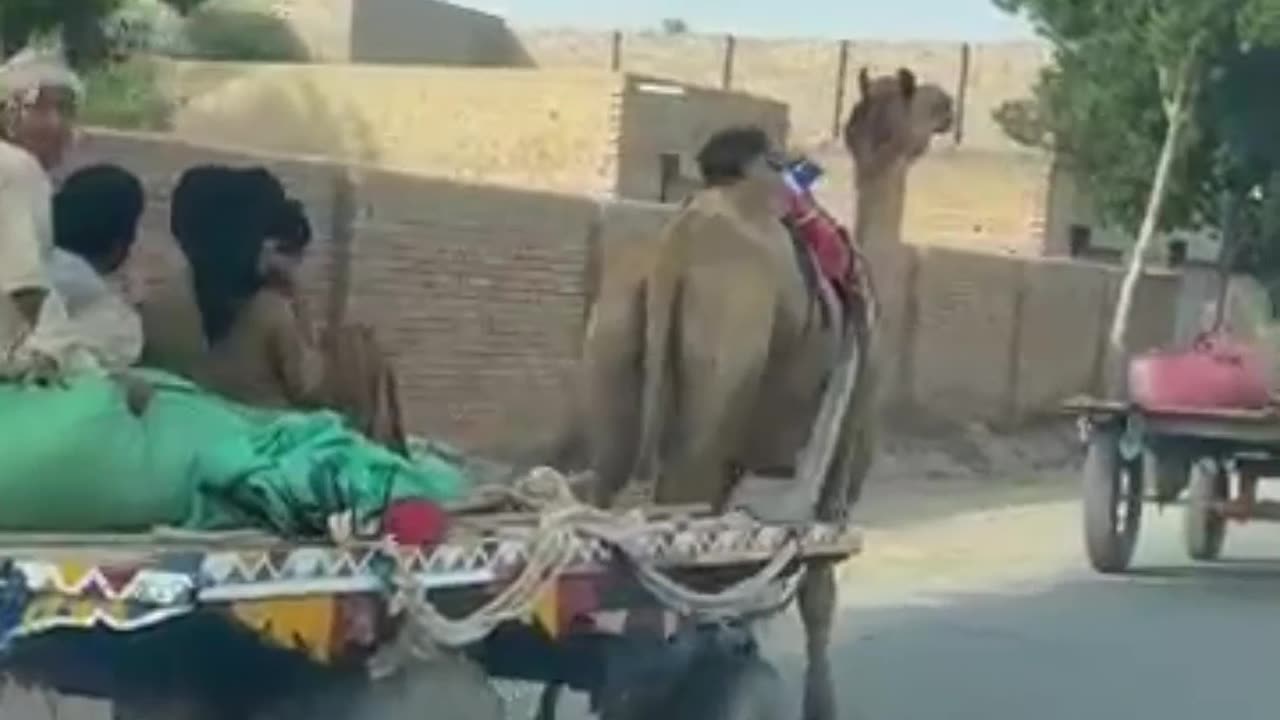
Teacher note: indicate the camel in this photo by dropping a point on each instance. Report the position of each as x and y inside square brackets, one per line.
[703, 362]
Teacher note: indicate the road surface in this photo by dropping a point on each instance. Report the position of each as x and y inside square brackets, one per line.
[992, 615]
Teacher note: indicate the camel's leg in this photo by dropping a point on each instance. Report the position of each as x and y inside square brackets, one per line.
[817, 603]
[841, 489]
[611, 389]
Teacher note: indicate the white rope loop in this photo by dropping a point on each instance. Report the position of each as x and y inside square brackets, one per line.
[563, 523]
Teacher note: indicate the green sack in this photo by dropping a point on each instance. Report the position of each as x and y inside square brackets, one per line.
[73, 459]
[83, 463]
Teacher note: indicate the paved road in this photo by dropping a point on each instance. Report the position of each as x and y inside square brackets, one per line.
[991, 616]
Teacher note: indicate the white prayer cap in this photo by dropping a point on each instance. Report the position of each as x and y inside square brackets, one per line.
[33, 68]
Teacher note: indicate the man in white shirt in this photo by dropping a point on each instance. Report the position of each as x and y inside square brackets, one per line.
[95, 225]
[39, 96]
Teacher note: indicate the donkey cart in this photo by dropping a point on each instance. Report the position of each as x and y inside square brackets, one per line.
[1211, 459]
[250, 627]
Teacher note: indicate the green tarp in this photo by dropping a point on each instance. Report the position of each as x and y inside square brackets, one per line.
[74, 459]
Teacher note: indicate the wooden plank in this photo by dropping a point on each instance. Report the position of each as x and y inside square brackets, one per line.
[1087, 404]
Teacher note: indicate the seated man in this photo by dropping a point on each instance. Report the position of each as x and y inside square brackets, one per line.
[95, 224]
[39, 97]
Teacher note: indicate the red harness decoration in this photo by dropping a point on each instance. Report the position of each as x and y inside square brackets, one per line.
[829, 242]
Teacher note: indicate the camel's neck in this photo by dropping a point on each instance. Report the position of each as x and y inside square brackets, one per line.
[880, 204]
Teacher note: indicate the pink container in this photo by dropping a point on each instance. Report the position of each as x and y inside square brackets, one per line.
[1216, 373]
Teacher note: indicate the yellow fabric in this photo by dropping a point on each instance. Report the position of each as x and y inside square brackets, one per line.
[546, 611]
[304, 624]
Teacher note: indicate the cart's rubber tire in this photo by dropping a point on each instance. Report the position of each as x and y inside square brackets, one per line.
[1113, 497]
[713, 687]
[445, 689]
[453, 690]
[731, 688]
[1204, 528]
[161, 712]
[1167, 470]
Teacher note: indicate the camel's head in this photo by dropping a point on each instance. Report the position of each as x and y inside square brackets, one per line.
[895, 119]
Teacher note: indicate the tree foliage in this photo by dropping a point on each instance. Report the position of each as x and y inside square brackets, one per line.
[1103, 105]
[1148, 103]
[80, 23]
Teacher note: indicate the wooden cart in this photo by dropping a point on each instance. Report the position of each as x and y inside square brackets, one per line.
[1194, 456]
[249, 627]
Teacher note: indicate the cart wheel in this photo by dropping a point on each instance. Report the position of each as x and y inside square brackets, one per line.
[730, 688]
[1204, 527]
[445, 689]
[1112, 504]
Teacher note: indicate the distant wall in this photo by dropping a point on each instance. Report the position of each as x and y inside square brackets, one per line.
[480, 293]
[545, 130]
[817, 78]
[663, 119]
[581, 131]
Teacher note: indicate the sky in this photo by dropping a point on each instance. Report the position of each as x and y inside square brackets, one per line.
[974, 20]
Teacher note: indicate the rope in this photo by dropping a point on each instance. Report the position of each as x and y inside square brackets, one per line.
[563, 524]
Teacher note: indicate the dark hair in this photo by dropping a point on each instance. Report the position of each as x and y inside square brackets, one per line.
[723, 160]
[96, 213]
[221, 217]
[290, 228]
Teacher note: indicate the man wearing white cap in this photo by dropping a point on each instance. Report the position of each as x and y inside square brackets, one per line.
[39, 96]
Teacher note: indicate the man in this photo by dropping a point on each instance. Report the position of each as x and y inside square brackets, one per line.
[95, 225]
[39, 96]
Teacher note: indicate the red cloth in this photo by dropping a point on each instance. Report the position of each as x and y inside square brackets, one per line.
[415, 522]
[1217, 372]
[826, 239]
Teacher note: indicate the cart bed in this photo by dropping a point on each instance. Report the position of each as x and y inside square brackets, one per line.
[131, 582]
[1251, 427]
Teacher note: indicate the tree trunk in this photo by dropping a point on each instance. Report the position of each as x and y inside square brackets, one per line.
[1117, 345]
[1227, 254]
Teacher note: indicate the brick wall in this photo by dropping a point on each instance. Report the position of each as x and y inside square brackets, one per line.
[480, 293]
[1004, 339]
[477, 291]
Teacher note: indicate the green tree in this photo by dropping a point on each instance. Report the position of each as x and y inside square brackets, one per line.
[80, 23]
[1123, 105]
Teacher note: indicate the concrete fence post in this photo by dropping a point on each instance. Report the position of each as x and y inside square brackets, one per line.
[842, 78]
[726, 68]
[615, 51]
[962, 91]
